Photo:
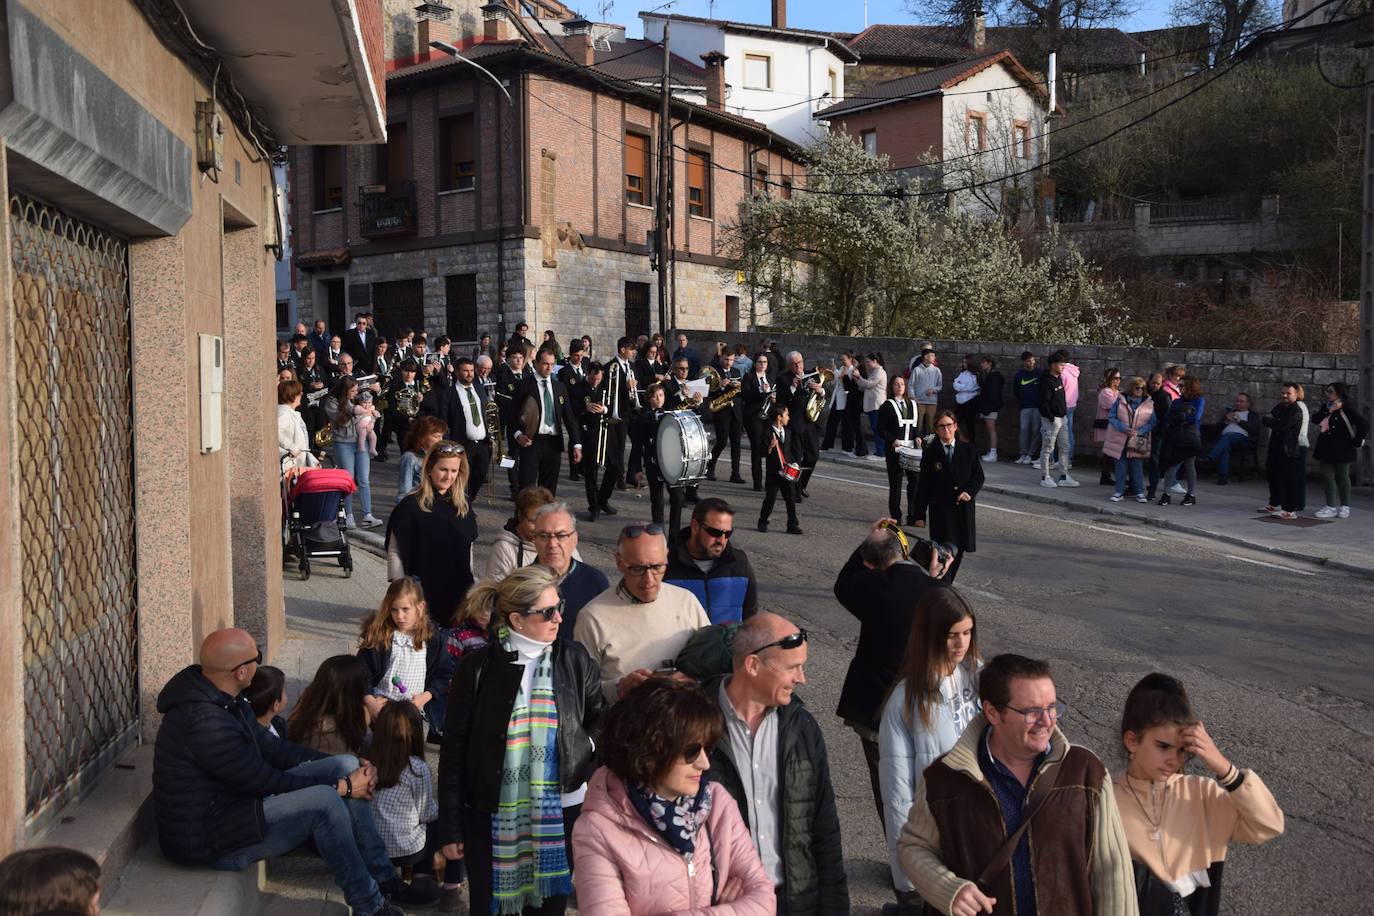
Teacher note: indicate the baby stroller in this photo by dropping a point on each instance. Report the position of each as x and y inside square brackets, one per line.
[315, 525]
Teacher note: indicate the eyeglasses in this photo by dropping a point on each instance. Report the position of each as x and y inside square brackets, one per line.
[634, 531]
[793, 641]
[717, 532]
[1041, 713]
[644, 569]
[692, 751]
[559, 536]
[449, 448]
[945, 425]
[548, 612]
[252, 661]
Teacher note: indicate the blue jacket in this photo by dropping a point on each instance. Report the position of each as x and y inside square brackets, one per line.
[1027, 385]
[727, 593]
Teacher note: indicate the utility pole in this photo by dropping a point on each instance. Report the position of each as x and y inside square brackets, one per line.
[665, 162]
[1367, 269]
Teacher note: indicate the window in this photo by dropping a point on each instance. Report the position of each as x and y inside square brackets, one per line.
[699, 185]
[834, 84]
[976, 131]
[460, 306]
[1020, 139]
[786, 191]
[328, 177]
[761, 181]
[393, 159]
[283, 314]
[638, 174]
[758, 71]
[457, 165]
[869, 138]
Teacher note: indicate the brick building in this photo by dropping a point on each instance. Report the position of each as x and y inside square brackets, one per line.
[482, 211]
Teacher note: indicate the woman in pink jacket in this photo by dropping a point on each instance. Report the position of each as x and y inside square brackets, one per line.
[1107, 397]
[655, 837]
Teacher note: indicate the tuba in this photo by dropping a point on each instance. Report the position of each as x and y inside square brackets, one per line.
[815, 404]
[408, 401]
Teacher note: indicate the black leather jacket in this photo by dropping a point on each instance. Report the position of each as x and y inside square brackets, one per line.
[480, 704]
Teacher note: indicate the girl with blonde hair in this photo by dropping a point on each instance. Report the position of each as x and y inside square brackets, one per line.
[431, 532]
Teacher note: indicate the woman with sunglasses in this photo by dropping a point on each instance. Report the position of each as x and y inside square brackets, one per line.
[1107, 396]
[1130, 422]
[951, 476]
[431, 532]
[655, 836]
[518, 748]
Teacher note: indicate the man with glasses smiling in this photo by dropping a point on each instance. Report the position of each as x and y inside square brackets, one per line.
[706, 563]
[638, 626]
[555, 542]
[1013, 782]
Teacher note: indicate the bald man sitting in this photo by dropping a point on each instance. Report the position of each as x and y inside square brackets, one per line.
[227, 794]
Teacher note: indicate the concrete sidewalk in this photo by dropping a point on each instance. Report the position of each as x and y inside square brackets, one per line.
[1223, 513]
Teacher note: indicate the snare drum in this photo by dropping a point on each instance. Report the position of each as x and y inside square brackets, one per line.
[790, 471]
[909, 458]
[683, 448]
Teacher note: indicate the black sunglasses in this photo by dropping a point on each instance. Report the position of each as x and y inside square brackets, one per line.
[794, 641]
[252, 661]
[717, 532]
[634, 531]
[548, 612]
[692, 751]
[449, 448]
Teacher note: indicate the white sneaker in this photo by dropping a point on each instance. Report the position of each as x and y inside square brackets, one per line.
[991, 457]
[1140, 498]
[1115, 497]
[875, 458]
[1178, 488]
[1326, 512]
[1048, 482]
[1343, 512]
[1024, 459]
[1067, 481]
[371, 521]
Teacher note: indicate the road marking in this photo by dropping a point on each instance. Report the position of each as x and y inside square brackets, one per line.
[1301, 572]
[876, 486]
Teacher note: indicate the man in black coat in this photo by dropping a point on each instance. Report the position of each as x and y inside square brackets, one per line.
[881, 587]
[465, 414]
[590, 399]
[544, 408]
[728, 421]
[951, 476]
[772, 760]
[226, 793]
[795, 389]
[359, 341]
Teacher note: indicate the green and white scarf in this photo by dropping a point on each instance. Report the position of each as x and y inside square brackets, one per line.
[529, 858]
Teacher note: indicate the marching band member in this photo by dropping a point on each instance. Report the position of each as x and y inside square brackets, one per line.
[383, 364]
[594, 402]
[508, 375]
[331, 358]
[630, 400]
[897, 423]
[284, 360]
[676, 397]
[539, 450]
[951, 476]
[402, 401]
[794, 390]
[783, 451]
[465, 414]
[646, 429]
[728, 421]
[758, 396]
[649, 369]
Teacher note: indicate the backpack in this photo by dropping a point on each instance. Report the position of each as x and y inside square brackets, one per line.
[707, 653]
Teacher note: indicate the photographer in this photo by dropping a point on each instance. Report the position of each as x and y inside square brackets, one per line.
[881, 585]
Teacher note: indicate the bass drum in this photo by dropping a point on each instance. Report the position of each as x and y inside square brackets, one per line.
[683, 448]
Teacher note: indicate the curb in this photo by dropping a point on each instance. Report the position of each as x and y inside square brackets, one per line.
[1112, 511]
[368, 540]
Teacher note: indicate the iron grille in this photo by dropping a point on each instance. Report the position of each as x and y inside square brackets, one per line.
[75, 500]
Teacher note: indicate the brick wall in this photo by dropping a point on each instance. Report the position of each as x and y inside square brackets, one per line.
[1223, 372]
[906, 132]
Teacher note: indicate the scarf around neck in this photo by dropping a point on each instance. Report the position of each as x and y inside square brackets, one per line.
[676, 820]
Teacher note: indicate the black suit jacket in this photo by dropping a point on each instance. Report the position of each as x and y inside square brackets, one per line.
[795, 400]
[941, 482]
[888, 426]
[361, 350]
[563, 412]
[753, 396]
[791, 450]
[456, 411]
[736, 406]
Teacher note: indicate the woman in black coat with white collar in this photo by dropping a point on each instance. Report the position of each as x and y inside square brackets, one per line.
[951, 476]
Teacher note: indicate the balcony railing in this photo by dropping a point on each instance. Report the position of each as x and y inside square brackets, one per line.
[387, 209]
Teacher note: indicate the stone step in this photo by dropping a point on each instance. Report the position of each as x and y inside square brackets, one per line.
[151, 886]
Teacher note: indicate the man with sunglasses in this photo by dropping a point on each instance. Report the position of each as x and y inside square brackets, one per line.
[226, 794]
[1013, 783]
[636, 627]
[706, 563]
[774, 763]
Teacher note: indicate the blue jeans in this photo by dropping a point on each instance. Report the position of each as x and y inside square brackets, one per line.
[1030, 431]
[343, 829]
[359, 464]
[1221, 452]
[1136, 468]
[879, 445]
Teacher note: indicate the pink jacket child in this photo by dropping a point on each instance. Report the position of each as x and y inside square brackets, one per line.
[1070, 375]
[624, 869]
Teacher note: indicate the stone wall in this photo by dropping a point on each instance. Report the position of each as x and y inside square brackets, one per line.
[1223, 372]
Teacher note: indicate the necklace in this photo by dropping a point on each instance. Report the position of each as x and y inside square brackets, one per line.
[1153, 818]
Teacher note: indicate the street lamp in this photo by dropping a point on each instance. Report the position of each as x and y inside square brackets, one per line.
[452, 51]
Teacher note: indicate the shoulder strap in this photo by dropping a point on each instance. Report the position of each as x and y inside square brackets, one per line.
[1040, 794]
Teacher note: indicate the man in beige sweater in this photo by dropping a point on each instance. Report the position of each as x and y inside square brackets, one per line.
[640, 624]
[979, 793]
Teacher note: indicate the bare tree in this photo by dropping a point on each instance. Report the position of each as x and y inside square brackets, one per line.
[1230, 21]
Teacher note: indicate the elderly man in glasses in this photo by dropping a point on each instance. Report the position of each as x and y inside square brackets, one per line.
[637, 627]
[1013, 783]
[773, 762]
[226, 794]
[555, 543]
[706, 563]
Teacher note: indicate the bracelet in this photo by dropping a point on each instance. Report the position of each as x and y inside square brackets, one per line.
[348, 787]
[1231, 776]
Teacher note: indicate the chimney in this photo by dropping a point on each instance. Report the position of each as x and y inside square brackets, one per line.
[431, 25]
[494, 22]
[779, 14]
[715, 79]
[976, 30]
[579, 43]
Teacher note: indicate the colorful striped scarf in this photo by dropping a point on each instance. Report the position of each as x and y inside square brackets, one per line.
[529, 859]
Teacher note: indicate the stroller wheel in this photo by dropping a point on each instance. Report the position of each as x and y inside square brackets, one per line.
[348, 572]
[305, 568]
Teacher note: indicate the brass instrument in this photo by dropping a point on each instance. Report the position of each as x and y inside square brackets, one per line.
[723, 397]
[815, 404]
[324, 436]
[610, 404]
[408, 401]
[491, 415]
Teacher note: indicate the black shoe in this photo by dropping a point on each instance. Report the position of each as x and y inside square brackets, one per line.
[381, 456]
[763, 526]
[803, 494]
[758, 488]
[1188, 500]
[692, 498]
[608, 509]
[620, 484]
[389, 910]
[1222, 480]
[1164, 500]
[911, 521]
[793, 529]
[592, 513]
[1150, 494]
[574, 476]
[711, 474]
[1107, 480]
[397, 891]
[434, 737]
[735, 478]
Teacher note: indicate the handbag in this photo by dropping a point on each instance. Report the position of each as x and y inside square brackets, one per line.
[1139, 443]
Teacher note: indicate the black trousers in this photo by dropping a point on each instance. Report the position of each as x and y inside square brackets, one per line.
[895, 474]
[809, 439]
[966, 414]
[539, 463]
[397, 426]
[477, 854]
[758, 446]
[479, 466]
[872, 758]
[774, 484]
[728, 428]
[849, 424]
[637, 462]
[599, 482]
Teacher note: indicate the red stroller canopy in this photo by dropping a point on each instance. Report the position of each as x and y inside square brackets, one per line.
[324, 480]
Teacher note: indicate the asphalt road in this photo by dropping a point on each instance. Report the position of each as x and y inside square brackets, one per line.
[1275, 656]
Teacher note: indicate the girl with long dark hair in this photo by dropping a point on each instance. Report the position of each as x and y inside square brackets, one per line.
[1342, 430]
[336, 709]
